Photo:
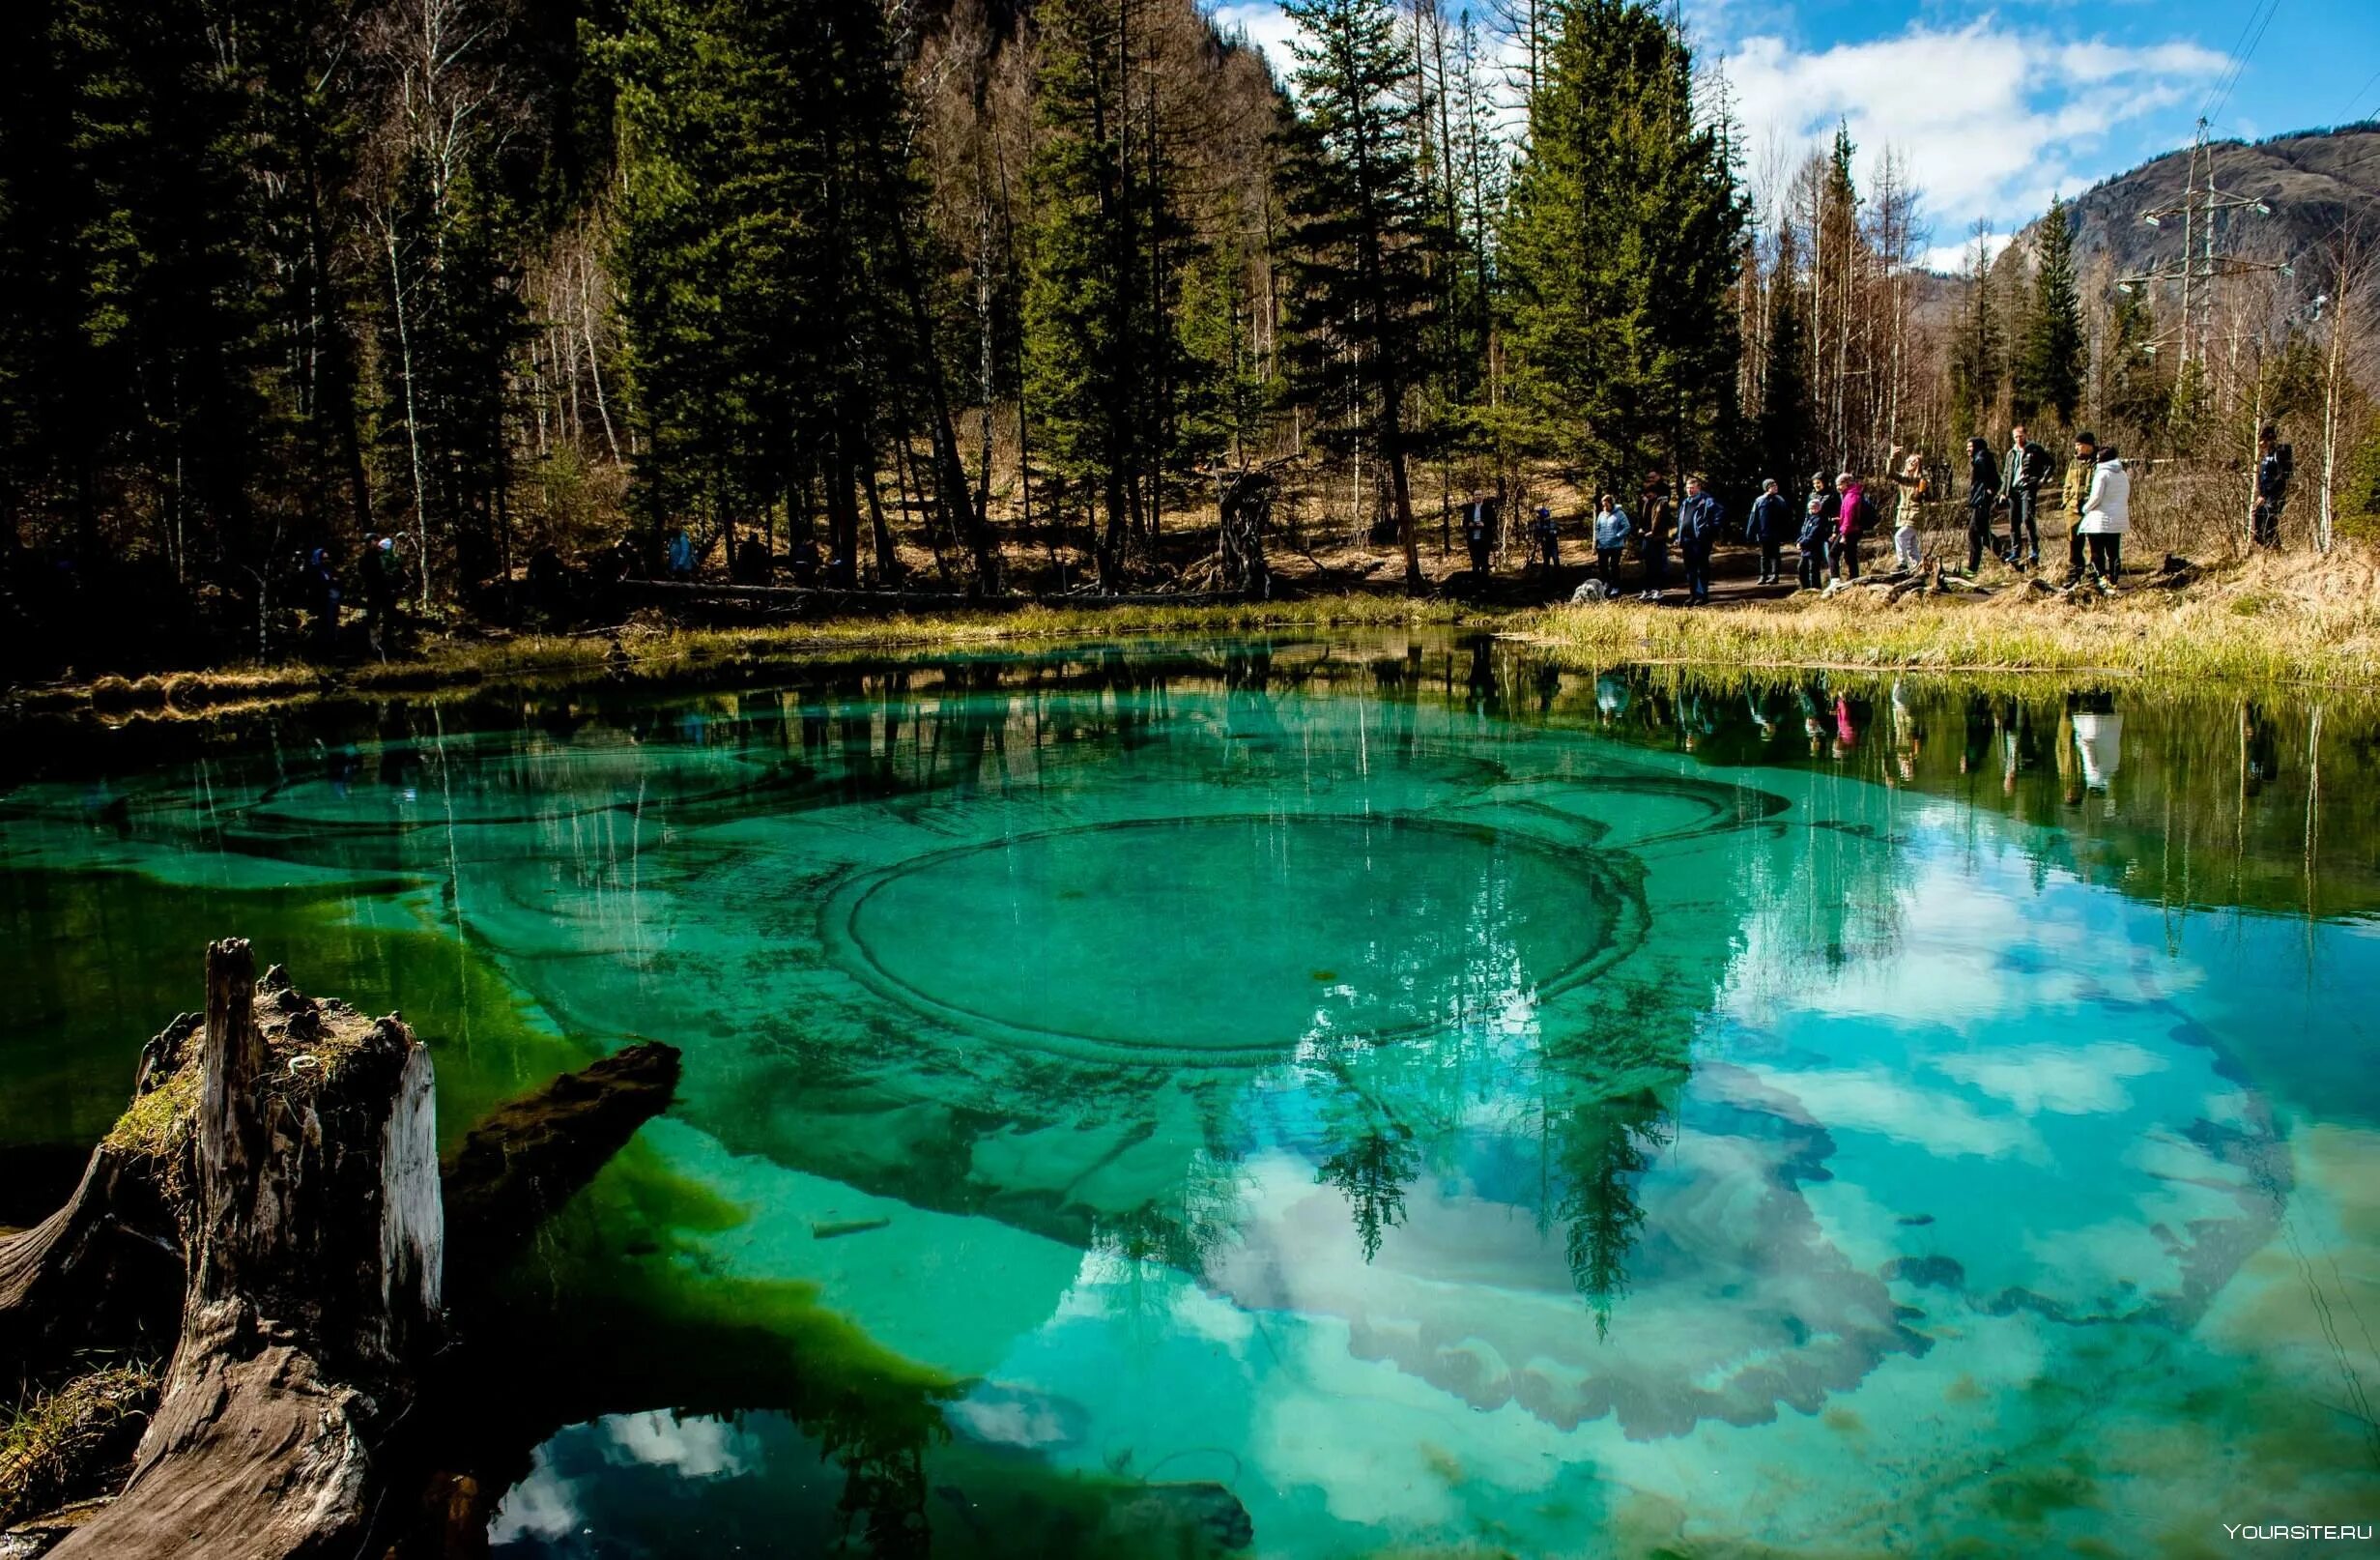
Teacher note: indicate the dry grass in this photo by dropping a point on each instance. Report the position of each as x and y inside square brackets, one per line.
[649, 646]
[64, 1444]
[2290, 618]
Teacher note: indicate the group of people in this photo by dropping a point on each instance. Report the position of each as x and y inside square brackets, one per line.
[2096, 497]
[382, 578]
[1838, 513]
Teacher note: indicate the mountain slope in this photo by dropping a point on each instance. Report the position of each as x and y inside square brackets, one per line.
[2314, 183]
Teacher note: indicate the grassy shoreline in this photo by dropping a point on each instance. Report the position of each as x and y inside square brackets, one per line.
[646, 649]
[2291, 622]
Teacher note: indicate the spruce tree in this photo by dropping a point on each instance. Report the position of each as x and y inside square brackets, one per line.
[1621, 249]
[2048, 369]
[1094, 339]
[1366, 235]
[762, 281]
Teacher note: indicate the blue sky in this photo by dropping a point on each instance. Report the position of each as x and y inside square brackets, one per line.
[1998, 109]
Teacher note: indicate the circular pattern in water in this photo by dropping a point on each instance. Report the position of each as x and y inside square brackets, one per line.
[1230, 940]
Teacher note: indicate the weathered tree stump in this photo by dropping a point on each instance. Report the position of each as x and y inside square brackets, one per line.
[274, 1185]
[313, 1232]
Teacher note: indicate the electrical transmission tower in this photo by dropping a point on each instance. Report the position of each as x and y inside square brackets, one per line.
[2201, 262]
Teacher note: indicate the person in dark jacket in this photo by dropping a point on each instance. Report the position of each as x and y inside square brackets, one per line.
[2025, 468]
[321, 588]
[1818, 527]
[1766, 529]
[1477, 535]
[1660, 516]
[1983, 494]
[2273, 473]
[1546, 532]
[1699, 520]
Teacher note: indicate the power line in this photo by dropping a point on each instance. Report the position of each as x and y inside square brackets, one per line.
[2241, 52]
[2348, 118]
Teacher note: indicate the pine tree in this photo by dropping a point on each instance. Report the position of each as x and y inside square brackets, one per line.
[763, 274]
[2048, 369]
[1368, 235]
[1621, 249]
[2134, 397]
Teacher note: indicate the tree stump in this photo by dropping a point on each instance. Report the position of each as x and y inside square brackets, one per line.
[1245, 505]
[313, 1232]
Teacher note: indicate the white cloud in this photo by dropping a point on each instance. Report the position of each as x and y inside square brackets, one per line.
[1950, 259]
[699, 1448]
[1266, 26]
[1994, 118]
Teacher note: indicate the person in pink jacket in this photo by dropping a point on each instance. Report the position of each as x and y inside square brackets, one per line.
[1843, 558]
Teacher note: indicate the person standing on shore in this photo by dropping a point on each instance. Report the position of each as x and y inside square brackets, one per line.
[1613, 528]
[1699, 520]
[1818, 529]
[1660, 517]
[2076, 489]
[2107, 514]
[2273, 473]
[1851, 521]
[1983, 494]
[1765, 527]
[1909, 481]
[2027, 467]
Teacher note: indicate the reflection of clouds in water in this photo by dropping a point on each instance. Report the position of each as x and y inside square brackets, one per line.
[1965, 939]
[1867, 1099]
[2088, 1081]
[692, 1448]
[547, 1505]
[542, 1506]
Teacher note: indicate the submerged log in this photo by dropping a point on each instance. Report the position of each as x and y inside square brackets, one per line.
[533, 1155]
[320, 1401]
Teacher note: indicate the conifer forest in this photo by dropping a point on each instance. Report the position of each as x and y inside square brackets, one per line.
[865, 293]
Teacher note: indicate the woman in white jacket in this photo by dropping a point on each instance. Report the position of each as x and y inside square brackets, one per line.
[2107, 514]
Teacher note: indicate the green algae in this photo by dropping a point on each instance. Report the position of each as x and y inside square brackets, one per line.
[100, 960]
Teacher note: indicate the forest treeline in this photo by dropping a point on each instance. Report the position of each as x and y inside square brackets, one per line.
[947, 286]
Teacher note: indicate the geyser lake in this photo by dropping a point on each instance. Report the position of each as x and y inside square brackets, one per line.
[1332, 1096]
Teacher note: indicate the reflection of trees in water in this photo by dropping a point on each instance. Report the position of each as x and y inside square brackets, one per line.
[1602, 1150]
[1371, 1171]
[2212, 800]
[1374, 1159]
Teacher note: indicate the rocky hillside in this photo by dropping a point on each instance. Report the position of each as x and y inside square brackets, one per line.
[2313, 181]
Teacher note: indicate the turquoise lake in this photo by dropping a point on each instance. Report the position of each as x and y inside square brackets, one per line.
[1378, 1094]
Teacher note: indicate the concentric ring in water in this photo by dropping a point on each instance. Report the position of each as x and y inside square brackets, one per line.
[1232, 941]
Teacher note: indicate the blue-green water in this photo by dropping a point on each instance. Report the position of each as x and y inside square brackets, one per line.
[1453, 1104]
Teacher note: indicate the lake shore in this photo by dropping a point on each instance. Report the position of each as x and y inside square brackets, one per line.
[2285, 621]
[2269, 619]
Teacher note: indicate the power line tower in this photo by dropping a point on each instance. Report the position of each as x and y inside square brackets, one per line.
[2201, 263]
